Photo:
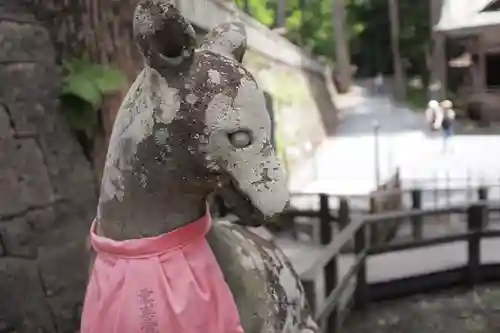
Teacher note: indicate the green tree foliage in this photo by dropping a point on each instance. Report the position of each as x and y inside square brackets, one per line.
[367, 25]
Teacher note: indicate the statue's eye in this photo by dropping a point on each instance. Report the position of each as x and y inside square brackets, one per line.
[240, 139]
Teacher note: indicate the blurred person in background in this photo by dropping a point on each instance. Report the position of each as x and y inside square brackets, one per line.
[432, 114]
[379, 83]
[446, 121]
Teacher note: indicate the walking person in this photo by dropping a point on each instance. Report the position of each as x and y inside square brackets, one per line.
[447, 117]
[379, 83]
[431, 114]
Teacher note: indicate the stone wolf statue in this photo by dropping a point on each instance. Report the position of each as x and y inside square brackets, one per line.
[194, 123]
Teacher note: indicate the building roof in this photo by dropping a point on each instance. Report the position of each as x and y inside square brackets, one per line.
[465, 14]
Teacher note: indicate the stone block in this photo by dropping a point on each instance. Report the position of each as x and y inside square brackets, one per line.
[71, 225]
[23, 42]
[11, 201]
[70, 172]
[24, 178]
[61, 273]
[23, 307]
[17, 238]
[67, 310]
[27, 81]
[40, 220]
[16, 10]
[31, 116]
[64, 272]
[2, 250]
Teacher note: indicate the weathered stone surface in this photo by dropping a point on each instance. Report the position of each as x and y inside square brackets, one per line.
[26, 81]
[2, 248]
[64, 266]
[41, 219]
[5, 128]
[64, 272]
[16, 10]
[71, 225]
[24, 42]
[69, 170]
[30, 116]
[17, 238]
[47, 190]
[23, 307]
[12, 203]
[67, 313]
[24, 175]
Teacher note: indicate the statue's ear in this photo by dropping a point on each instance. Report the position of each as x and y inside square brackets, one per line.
[229, 39]
[164, 37]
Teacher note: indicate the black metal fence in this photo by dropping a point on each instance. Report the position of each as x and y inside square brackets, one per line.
[356, 228]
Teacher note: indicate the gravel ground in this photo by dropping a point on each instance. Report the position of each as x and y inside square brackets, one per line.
[456, 311]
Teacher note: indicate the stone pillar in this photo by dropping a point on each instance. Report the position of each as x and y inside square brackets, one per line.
[47, 194]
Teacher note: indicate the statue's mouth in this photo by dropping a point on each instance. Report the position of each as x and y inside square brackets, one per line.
[239, 204]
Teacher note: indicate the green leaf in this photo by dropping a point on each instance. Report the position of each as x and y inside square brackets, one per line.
[84, 86]
[84, 89]
[111, 80]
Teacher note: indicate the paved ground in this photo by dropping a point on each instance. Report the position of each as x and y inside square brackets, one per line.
[345, 164]
[453, 311]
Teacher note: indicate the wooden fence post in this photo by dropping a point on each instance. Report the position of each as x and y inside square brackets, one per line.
[476, 219]
[482, 193]
[416, 203]
[330, 270]
[325, 220]
[310, 291]
[344, 213]
[361, 292]
[374, 227]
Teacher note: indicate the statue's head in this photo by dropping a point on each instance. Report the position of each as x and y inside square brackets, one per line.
[208, 122]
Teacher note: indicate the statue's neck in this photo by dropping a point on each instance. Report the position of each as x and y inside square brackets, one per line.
[139, 215]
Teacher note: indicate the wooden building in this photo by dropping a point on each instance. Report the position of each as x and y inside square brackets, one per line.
[473, 28]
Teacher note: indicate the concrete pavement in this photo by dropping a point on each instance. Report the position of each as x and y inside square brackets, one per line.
[346, 164]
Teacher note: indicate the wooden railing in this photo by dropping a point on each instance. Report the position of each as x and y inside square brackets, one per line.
[355, 228]
[341, 214]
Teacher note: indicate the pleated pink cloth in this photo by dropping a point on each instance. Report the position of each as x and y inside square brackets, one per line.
[166, 284]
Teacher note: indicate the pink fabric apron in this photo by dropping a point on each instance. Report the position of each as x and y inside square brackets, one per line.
[166, 284]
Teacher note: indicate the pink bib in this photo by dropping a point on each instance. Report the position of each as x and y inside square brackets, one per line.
[166, 284]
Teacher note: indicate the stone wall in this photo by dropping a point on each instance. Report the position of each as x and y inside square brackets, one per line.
[304, 112]
[47, 191]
